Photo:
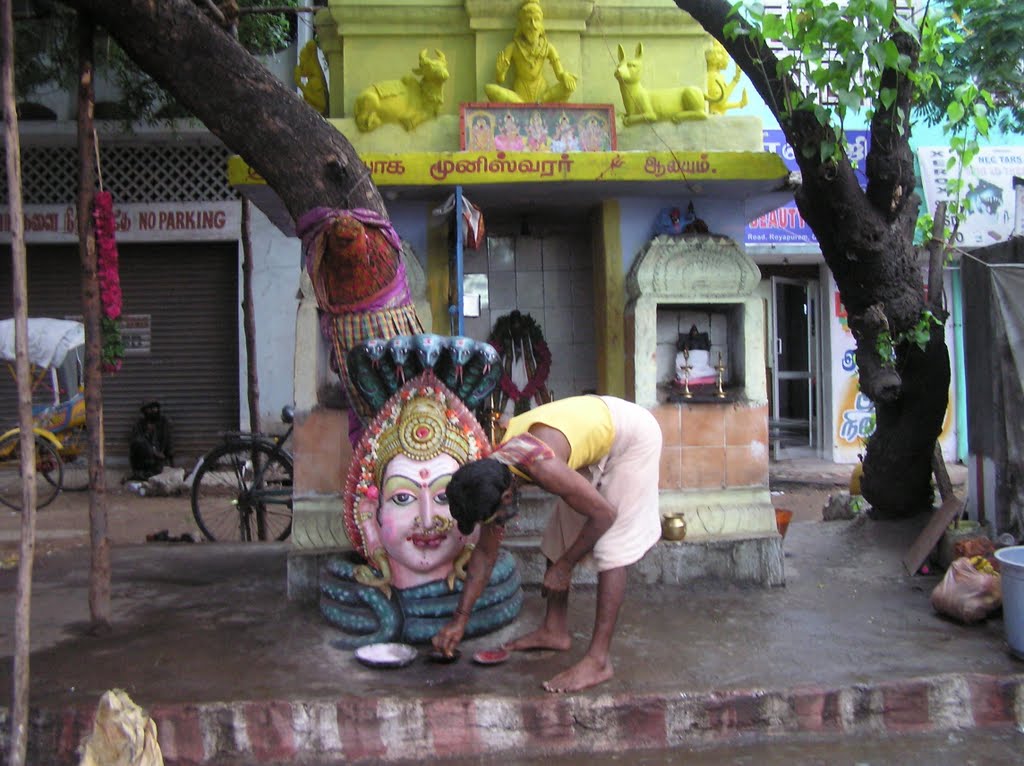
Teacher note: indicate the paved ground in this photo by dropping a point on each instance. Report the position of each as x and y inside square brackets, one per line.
[206, 640]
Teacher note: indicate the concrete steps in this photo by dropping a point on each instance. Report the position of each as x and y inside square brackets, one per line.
[741, 559]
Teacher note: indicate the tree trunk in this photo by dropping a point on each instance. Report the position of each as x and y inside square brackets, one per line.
[295, 150]
[866, 239]
[99, 569]
[19, 267]
[249, 321]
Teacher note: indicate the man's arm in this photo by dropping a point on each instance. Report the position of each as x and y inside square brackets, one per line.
[167, 441]
[478, 573]
[556, 477]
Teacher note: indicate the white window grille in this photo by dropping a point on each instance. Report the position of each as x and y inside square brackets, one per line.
[780, 8]
[137, 173]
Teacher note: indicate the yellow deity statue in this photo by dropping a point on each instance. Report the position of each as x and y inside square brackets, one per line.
[719, 89]
[310, 79]
[527, 53]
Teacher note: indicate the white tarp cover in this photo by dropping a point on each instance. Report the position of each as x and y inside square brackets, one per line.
[49, 340]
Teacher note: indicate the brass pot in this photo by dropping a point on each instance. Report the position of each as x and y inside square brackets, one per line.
[673, 527]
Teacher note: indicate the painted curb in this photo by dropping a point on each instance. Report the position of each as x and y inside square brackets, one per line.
[389, 729]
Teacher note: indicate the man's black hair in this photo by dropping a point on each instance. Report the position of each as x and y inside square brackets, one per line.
[475, 490]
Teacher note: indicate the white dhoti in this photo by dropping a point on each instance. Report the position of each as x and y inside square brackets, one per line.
[628, 479]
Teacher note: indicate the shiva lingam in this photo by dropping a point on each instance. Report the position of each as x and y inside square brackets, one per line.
[720, 392]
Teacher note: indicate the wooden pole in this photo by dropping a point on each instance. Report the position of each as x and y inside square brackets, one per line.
[99, 570]
[249, 307]
[249, 319]
[936, 259]
[19, 269]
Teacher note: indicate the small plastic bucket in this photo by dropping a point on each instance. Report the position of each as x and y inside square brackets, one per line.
[1011, 568]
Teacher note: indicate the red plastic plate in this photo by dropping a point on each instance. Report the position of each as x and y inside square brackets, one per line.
[491, 656]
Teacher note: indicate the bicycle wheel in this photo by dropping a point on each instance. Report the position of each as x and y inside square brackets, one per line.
[243, 492]
[49, 472]
[75, 453]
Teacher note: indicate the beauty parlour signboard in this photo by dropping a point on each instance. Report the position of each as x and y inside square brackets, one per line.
[469, 167]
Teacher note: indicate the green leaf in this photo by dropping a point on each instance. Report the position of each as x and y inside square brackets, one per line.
[955, 112]
[888, 97]
[772, 27]
[876, 53]
[907, 27]
[786, 65]
[892, 53]
[827, 150]
[849, 99]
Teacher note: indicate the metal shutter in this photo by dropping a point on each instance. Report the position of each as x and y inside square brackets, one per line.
[189, 292]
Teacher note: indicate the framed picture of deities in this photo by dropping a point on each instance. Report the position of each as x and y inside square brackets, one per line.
[556, 128]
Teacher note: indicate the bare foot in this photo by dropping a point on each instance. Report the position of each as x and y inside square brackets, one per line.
[584, 674]
[540, 639]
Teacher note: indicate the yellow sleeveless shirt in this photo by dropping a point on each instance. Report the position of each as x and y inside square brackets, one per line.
[585, 422]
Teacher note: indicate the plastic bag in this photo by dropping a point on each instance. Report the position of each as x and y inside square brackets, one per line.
[474, 231]
[965, 594]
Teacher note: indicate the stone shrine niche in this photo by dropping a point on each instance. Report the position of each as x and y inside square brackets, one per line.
[694, 281]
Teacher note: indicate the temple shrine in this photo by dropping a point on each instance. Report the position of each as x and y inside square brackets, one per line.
[535, 158]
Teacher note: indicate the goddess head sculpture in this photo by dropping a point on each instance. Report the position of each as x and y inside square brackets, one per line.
[405, 584]
[396, 507]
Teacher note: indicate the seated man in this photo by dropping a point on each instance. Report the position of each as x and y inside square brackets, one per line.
[600, 456]
[151, 448]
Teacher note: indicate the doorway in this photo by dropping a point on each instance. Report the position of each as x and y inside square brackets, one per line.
[793, 425]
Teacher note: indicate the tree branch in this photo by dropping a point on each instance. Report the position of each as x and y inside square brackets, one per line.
[253, 112]
[936, 256]
[879, 380]
[890, 162]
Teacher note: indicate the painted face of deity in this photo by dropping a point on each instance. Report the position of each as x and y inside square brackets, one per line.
[396, 510]
[416, 527]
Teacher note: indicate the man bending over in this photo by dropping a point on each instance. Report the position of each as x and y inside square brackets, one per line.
[599, 455]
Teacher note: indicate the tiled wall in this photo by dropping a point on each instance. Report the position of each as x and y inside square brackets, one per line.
[549, 276]
[713, 446]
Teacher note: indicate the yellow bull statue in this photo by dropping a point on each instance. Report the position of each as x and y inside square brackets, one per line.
[410, 101]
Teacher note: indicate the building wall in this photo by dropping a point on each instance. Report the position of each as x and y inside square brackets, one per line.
[163, 183]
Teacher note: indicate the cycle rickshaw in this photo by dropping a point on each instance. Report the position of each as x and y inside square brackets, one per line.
[55, 351]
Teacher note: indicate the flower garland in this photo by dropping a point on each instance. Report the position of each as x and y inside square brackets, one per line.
[520, 329]
[112, 347]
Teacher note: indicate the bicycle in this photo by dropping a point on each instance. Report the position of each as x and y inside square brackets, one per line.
[242, 488]
[55, 356]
